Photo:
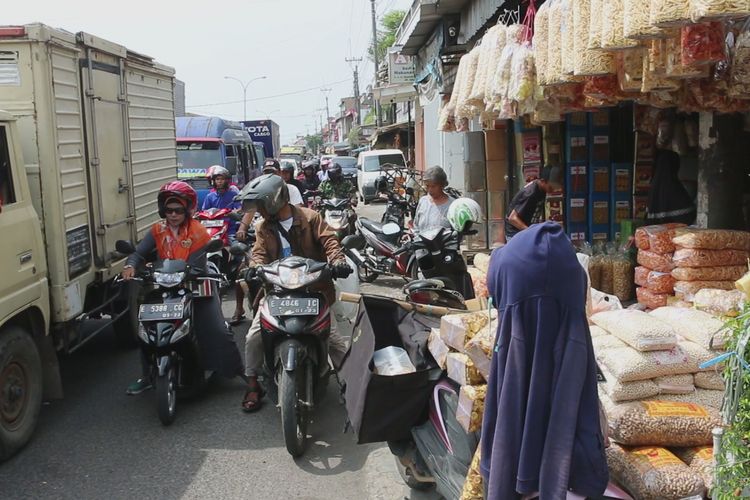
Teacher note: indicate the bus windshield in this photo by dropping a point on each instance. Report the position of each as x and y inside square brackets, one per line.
[198, 154]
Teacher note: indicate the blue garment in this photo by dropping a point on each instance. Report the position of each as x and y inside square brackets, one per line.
[214, 199]
[541, 430]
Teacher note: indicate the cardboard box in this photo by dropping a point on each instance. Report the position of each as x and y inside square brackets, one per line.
[475, 176]
[496, 145]
[497, 175]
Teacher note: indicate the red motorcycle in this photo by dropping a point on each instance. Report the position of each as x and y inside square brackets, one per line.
[216, 221]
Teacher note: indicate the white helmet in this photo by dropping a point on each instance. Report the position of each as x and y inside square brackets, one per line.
[463, 212]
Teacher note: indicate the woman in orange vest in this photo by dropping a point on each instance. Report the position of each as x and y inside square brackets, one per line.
[179, 236]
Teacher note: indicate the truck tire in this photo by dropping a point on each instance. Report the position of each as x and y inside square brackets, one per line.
[20, 389]
[126, 327]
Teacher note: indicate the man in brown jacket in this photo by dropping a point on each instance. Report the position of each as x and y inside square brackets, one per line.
[284, 231]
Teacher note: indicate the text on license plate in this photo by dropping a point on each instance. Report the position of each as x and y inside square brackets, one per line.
[293, 307]
[155, 312]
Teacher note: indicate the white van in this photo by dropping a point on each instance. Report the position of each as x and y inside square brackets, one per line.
[368, 169]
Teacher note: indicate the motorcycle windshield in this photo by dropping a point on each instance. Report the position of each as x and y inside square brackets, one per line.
[294, 272]
[337, 203]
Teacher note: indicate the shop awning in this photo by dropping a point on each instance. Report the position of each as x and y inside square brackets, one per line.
[387, 129]
[395, 93]
[421, 20]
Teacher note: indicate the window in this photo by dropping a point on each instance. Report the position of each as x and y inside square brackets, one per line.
[230, 150]
[7, 191]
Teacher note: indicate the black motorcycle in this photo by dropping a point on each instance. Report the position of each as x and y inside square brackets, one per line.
[295, 325]
[167, 326]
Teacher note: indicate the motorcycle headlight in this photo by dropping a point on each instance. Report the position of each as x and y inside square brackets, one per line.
[168, 279]
[293, 278]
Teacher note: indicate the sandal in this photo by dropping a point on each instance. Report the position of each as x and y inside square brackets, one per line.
[252, 400]
[237, 319]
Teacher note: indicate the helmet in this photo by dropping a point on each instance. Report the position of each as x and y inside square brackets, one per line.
[268, 191]
[334, 172]
[464, 212]
[217, 170]
[287, 167]
[381, 184]
[176, 189]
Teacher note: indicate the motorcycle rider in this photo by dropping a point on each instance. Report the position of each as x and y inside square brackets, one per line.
[308, 180]
[287, 173]
[179, 236]
[295, 195]
[323, 174]
[336, 186]
[222, 196]
[284, 231]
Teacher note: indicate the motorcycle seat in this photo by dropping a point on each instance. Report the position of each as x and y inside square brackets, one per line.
[429, 283]
[375, 227]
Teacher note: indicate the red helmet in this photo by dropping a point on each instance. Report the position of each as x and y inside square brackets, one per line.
[180, 190]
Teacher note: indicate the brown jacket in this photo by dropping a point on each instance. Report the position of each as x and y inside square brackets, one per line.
[310, 237]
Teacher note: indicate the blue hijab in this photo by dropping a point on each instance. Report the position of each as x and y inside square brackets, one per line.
[541, 429]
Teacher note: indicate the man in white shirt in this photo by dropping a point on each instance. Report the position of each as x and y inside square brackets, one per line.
[295, 197]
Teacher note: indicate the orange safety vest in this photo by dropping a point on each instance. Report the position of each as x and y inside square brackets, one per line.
[190, 238]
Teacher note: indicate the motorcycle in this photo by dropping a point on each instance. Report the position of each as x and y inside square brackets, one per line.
[339, 216]
[217, 222]
[295, 324]
[167, 331]
[374, 247]
[312, 198]
[398, 207]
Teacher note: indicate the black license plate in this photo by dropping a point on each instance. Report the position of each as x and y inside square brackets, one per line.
[160, 312]
[293, 307]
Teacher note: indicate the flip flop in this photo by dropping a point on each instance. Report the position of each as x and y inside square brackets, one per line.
[250, 403]
[237, 319]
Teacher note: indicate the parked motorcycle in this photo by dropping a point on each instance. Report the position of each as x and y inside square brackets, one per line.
[167, 330]
[295, 324]
[399, 207]
[374, 246]
[339, 216]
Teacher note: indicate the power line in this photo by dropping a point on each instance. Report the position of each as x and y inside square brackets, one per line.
[267, 97]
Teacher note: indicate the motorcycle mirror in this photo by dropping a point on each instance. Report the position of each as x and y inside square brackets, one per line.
[391, 228]
[238, 248]
[124, 247]
[214, 246]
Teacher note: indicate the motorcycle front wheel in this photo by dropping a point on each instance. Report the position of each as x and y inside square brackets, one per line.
[293, 414]
[166, 395]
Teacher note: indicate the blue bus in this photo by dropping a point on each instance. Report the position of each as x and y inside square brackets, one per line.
[203, 141]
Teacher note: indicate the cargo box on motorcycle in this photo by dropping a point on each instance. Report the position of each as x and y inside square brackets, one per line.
[381, 407]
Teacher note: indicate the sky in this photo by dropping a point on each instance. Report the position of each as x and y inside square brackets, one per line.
[300, 46]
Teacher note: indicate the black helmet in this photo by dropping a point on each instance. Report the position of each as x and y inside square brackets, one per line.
[287, 167]
[334, 172]
[268, 191]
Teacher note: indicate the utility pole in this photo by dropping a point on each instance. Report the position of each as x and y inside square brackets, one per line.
[328, 114]
[356, 87]
[375, 58]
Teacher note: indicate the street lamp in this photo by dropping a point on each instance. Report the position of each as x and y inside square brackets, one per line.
[244, 91]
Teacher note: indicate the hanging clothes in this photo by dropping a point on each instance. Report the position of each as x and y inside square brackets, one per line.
[541, 432]
[668, 200]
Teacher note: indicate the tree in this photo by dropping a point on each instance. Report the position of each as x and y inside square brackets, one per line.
[314, 142]
[354, 136]
[389, 24]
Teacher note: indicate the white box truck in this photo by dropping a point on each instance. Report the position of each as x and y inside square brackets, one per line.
[87, 137]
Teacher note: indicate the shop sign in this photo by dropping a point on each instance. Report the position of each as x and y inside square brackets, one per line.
[532, 151]
[401, 68]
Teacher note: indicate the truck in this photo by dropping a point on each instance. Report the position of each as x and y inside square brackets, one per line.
[204, 141]
[87, 138]
[297, 153]
[267, 132]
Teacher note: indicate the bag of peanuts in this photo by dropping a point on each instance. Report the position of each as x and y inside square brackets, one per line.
[709, 380]
[660, 282]
[653, 473]
[461, 369]
[663, 423]
[622, 277]
[722, 273]
[651, 299]
[473, 486]
[657, 238]
[656, 261]
[637, 329]
[699, 257]
[697, 326]
[470, 410]
[700, 459]
[437, 347]
[457, 329]
[641, 275]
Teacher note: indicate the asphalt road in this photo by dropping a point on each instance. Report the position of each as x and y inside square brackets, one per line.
[100, 443]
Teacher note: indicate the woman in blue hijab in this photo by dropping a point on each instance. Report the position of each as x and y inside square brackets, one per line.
[541, 433]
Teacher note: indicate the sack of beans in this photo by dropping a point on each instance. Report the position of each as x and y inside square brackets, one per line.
[628, 364]
[687, 289]
[627, 391]
[663, 423]
[470, 408]
[697, 326]
[637, 329]
[721, 273]
[709, 380]
[705, 397]
[652, 473]
[700, 257]
[651, 299]
[597, 332]
[606, 341]
[712, 239]
[641, 275]
[675, 384]
[700, 459]
[656, 261]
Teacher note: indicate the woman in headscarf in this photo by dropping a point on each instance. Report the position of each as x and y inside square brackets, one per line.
[541, 433]
[668, 200]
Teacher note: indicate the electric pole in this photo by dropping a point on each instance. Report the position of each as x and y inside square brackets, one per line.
[356, 87]
[375, 59]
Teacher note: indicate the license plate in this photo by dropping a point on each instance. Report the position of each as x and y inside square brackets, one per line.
[293, 307]
[212, 223]
[159, 312]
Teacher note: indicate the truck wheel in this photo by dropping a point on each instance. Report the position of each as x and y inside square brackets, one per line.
[20, 389]
[126, 327]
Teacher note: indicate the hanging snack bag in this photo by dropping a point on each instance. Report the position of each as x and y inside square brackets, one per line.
[540, 43]
[612, 35]
[702, 43]
[666, 13]
[718, 9]
[587, 62]
[636, 23]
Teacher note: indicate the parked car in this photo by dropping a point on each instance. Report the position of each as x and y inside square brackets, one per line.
[368, 169]
[348, 167]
